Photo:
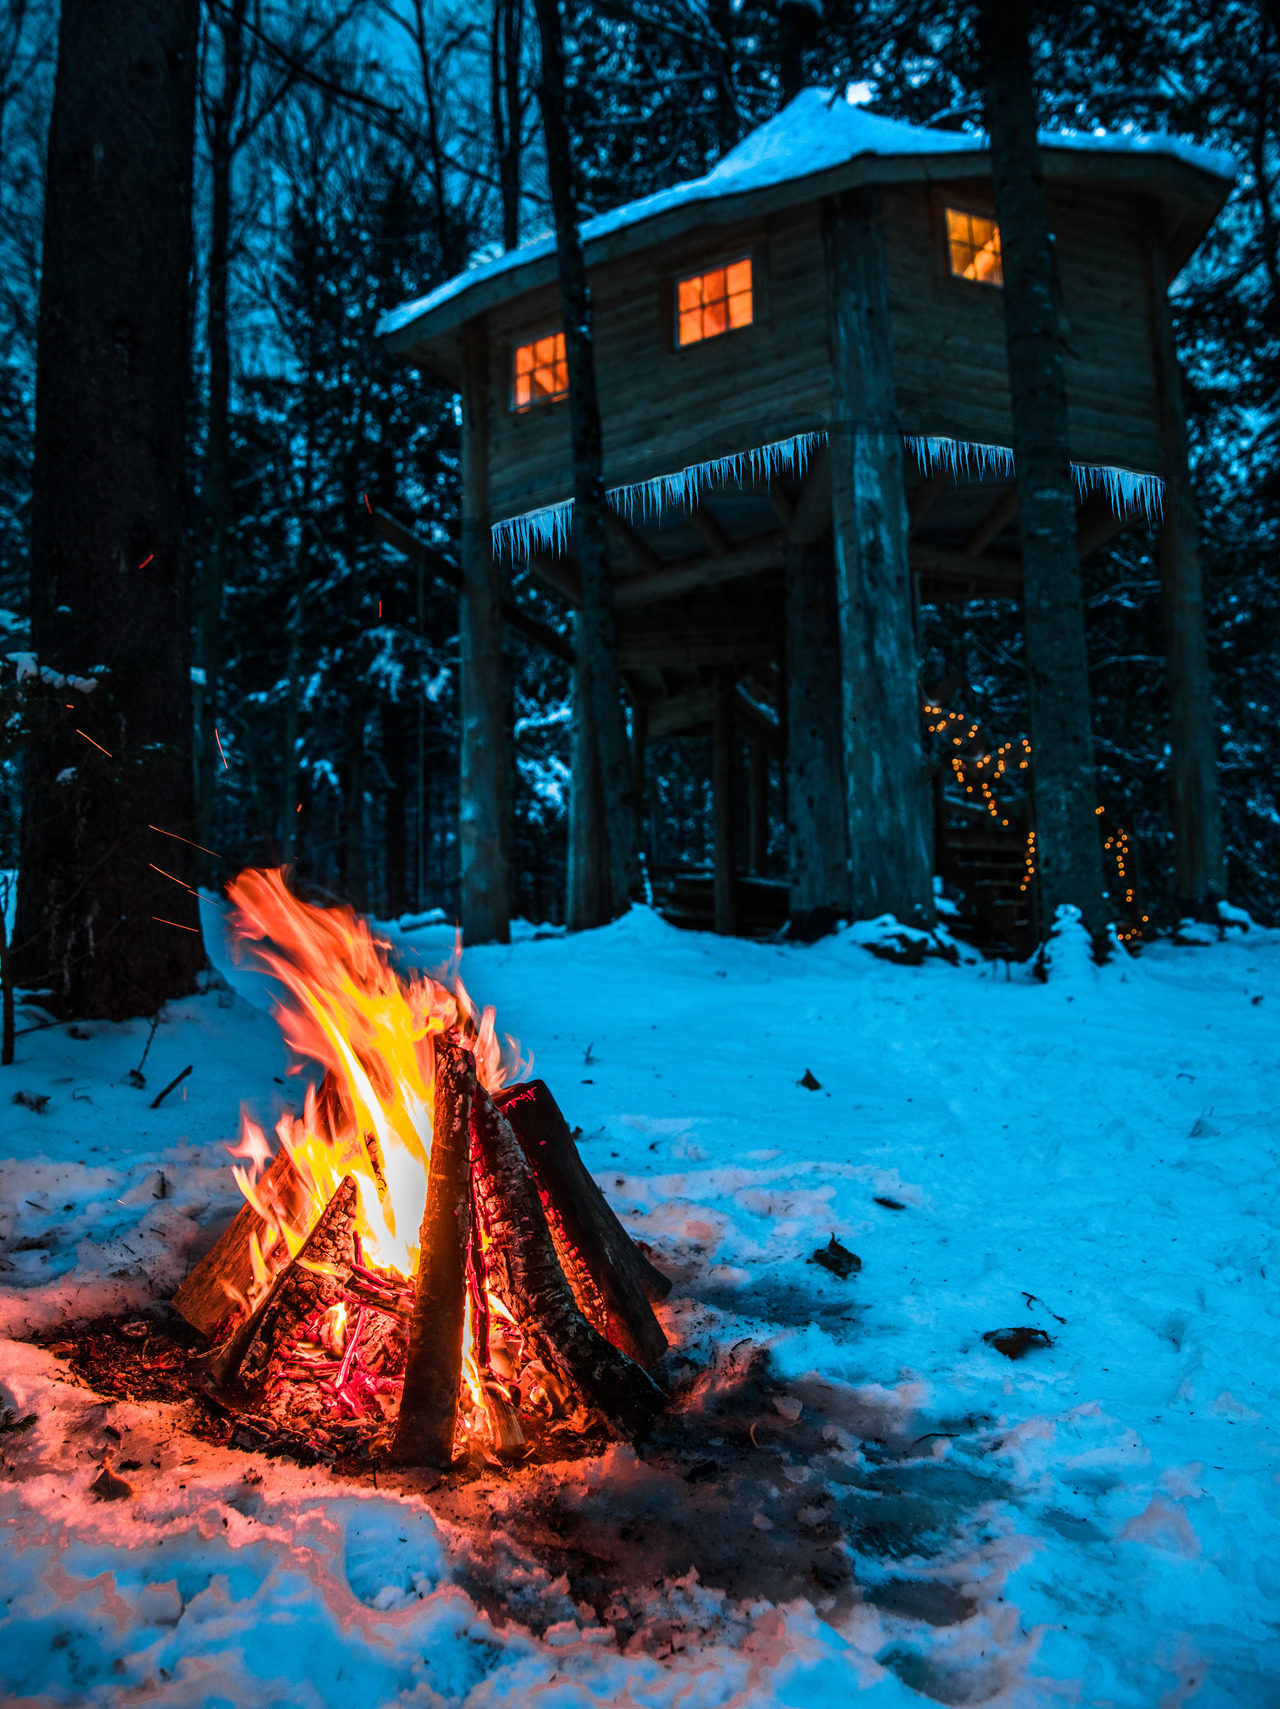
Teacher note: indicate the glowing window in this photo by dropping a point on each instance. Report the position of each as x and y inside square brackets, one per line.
[974, 247]
[711, 303]
[540, 372]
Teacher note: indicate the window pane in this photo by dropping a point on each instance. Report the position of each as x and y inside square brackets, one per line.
[740, 308]
[973, 245]
[540, 372]
[726, 300]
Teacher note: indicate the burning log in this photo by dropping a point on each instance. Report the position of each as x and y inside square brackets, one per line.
[580, 1217]
[429, 1400]
[523, 1270]
[309, 1285]
[224, 1276]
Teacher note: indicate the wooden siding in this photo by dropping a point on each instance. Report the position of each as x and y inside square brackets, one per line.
[664, 408]
[949, 361]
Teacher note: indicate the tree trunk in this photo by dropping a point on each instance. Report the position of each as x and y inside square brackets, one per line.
[1068, 851]
[588, 903]
[723, 754]
[1199, 857]
[484, 794]
[216, 480]
[589, 503]
[506, 110]
[818, 839]
[98, 927]
[888, 810]
[395, 809]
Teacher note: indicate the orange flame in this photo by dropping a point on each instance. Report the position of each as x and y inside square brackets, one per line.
[346, 1008]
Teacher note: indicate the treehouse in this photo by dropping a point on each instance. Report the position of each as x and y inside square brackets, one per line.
[804, 388]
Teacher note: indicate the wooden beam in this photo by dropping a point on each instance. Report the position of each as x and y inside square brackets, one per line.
[634, 548]
[755, 726]
[889, 811]
[922, 498]
[484, 794]
[588, 875]
[670, 649]
[784, 506]
[711, 531]
[943, 563]
[812, 515]
[1098, 522]
[681, 712]
[1000, 515]
[764, 552]
[562, 574]
[759, 780]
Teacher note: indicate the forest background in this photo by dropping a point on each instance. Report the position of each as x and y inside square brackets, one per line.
[353, 153]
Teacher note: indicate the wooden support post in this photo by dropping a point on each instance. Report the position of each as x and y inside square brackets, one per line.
[484, 796]
[888, 810]
[722, 758]
[588, 900]
[1198, 850]
[817, 837]
[759, 776]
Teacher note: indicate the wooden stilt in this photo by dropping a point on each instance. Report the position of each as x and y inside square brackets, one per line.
[890, 842]
[726, 883]
[1198, 850]
[433, 1371]
[589, 885]
[817, 840]
[759, 780]
[484, 803]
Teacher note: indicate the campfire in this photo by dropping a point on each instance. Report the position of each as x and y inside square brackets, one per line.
[424, 1270]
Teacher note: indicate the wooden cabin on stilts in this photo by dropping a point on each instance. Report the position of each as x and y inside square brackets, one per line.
[804, 389]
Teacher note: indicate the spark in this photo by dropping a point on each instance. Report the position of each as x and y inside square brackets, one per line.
[367, 505]
[169, 875]
[177, 923]
[97, 745]
[186, 840]
[218, 739]
[146, 561]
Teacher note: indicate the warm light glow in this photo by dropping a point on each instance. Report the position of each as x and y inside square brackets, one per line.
[708, 304]
[345, 1008]
[973, 245]
[540, 372]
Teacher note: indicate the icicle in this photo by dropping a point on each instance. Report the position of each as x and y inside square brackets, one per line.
[1126, 489]
[548, 529]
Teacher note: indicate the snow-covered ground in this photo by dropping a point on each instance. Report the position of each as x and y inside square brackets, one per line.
[1095, 1523]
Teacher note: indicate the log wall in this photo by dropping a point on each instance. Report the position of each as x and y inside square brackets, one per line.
[664, 408]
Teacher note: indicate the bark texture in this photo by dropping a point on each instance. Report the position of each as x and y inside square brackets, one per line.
[208, 1296]
[433, 1372]
[818, 838]
[888, 809]
[589, 504]
[589, 883]
[525, 1273]
[1068, 851]
[1199, 854]
[575, 1208]
[109, 576]
[484, 794]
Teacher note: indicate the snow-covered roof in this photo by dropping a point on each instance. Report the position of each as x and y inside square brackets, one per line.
[816, 134]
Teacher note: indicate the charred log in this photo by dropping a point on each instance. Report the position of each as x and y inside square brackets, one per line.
[523, 1270]
[580, 1217]
[256, 1356]
[224, 1276]
[429, 1402]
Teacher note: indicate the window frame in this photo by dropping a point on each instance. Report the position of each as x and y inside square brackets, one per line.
[978, 205]
[694, 266]
[521, 341]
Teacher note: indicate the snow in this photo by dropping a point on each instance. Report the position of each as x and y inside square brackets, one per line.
[1095, 1523]
[817, 132]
